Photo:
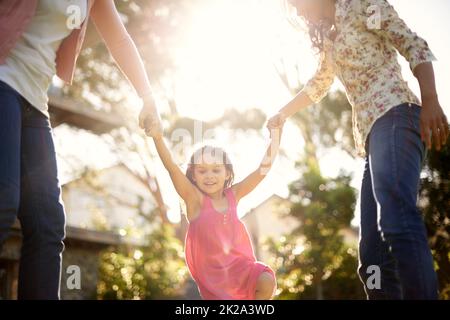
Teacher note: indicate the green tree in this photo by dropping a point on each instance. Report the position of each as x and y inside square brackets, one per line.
[154, 271]
[435, 204]
[326, 124]
[313, 262]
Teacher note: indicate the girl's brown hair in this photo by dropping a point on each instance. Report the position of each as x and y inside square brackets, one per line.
[216, 152]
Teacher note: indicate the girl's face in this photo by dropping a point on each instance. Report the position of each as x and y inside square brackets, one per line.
[311, 10]
[210, 175]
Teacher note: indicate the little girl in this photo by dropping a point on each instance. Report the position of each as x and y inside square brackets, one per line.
[219, 253]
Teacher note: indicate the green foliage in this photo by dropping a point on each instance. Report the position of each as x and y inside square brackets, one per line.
[344, 282]
[156, 271]
[313, 262]
[333, 122]
[327, 124]
[435, 204]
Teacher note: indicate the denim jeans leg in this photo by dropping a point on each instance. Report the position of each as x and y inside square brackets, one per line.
[373, 251]
[396, 154]
[10, 136]
[41, 211]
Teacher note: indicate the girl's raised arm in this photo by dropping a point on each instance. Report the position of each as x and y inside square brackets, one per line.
[247, 185]
[187, 191]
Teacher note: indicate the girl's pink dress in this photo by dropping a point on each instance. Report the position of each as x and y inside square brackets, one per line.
[220, 255]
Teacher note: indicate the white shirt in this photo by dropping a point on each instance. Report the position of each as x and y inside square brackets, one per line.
[30, 66]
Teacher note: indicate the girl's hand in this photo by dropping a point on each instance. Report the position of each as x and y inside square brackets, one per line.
[149, 118]
[433, 124]
[275, 134]
[153, 127]
[275, 125]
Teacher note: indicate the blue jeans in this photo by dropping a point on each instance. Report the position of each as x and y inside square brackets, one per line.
[393, 235]
[29, 190]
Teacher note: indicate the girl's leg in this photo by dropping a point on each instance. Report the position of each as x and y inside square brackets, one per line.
[373, 251]
[396, 154]
[265, 286]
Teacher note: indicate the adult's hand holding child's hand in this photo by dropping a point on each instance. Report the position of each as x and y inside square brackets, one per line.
[275, 124]
[153, 128]
[149, 119]
[276, 121]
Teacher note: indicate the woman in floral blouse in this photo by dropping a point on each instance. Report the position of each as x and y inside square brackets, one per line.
[358, 42]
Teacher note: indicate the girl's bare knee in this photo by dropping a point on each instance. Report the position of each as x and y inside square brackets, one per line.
[265, 286]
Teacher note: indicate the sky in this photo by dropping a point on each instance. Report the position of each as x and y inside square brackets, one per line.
[227, 60]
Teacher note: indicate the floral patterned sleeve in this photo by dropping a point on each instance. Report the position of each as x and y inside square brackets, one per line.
[396, 31]
[317, 87]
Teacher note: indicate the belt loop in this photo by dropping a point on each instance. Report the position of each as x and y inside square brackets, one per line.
[410, 115]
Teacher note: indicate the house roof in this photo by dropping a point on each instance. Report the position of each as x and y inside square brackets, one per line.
[81, 115]
[82, 235]
[273, 197]
[118, 165]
